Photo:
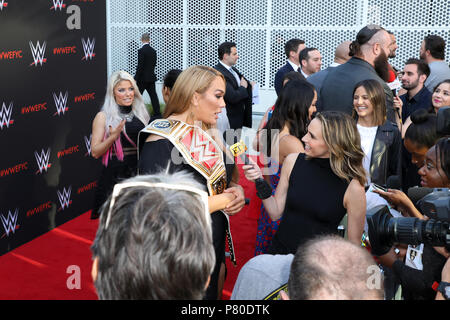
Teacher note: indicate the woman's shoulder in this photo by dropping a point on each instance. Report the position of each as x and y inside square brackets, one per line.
[355, 187]
[155, 137]
[291, 143]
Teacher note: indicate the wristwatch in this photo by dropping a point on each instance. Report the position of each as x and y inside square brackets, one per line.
[444, 288]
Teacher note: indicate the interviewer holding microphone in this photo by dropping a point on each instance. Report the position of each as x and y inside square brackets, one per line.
[317, 188]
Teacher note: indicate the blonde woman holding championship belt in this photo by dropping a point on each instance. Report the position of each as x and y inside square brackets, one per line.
[186, 140]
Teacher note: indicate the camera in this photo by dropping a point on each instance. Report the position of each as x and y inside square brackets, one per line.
[384, 230]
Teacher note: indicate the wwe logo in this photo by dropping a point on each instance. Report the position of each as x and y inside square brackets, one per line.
[203, 149]
[3, 4]
[87, 142]
[61, 103]
[64, 197]
[5, 115]
[88, 47]
[58, 4]
[43, 160]
[10, 222]
[38, 52]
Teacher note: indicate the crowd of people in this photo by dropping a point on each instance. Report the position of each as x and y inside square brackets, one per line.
[170, 182]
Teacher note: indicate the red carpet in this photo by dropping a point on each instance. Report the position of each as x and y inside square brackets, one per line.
[46, 268]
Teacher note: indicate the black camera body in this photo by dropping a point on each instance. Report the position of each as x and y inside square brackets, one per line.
[384, 230]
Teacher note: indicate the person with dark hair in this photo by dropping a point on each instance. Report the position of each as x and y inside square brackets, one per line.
[238, 94]
[292, 49]
[417, 96]
[139, 252]
[317, 188]
[369, 54]
[293, 111]
[423, 263]
[380, 138]
[439, 98]
[291, 75]
[310, 61]
[145, 72]
[419, 136]
[332, 268]
[168, 82]
[432, 50]
[441, 95]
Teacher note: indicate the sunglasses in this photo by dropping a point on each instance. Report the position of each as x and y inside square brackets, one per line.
[158, 185]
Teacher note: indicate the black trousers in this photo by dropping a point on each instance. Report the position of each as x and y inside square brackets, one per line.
[150, 87]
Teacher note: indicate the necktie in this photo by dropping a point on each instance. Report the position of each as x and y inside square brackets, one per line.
[235, 76]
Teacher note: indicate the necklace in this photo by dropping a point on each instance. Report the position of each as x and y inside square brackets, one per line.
[125, 113]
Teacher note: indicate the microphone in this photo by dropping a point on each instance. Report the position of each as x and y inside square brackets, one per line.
[393, 182]
[264, 190]
[417, 193]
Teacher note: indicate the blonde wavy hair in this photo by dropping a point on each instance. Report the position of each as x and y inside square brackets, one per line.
[344, 144]
[194, 79]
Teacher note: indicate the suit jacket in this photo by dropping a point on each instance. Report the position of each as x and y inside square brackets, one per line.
[238, 99]
[337, 88]
[317, 79]
[279, 76]
[145, 70]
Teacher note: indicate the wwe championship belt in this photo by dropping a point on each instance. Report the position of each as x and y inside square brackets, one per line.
[201, 152]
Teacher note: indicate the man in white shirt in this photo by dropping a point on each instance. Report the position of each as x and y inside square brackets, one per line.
[238, 94]
[310, 61]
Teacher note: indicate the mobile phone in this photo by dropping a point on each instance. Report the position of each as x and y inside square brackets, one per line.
[378, 187]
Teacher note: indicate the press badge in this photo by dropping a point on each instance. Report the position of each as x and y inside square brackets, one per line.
[414, 257]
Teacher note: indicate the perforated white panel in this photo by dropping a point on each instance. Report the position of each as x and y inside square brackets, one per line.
[187, 32]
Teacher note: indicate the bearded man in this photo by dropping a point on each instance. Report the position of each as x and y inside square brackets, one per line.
[369, 60]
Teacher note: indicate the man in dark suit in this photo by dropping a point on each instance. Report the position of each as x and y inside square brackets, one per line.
[369, 54]
[292, 50]
[145, 73]
[340, 57]
[238, 95]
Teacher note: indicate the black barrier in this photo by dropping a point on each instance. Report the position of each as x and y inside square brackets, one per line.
[52, 83]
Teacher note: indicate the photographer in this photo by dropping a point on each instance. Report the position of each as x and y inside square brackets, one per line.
[423, 263]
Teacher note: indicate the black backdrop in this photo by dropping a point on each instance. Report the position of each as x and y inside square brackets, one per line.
[52, 83]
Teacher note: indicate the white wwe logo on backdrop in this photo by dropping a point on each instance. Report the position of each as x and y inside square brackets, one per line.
[5, 115]
[58, 4]
[61, 102]
[88, 47]
[42, 160]
[10, 222]
[38, 52]
[87, 141]
[2, 4]
[64, 197]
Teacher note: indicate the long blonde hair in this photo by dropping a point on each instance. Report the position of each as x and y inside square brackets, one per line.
[344, 144]
[192, 80]
[110, 107]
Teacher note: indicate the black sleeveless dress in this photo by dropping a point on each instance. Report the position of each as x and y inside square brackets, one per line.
[156, 157]
[116, 170]
[314, 204]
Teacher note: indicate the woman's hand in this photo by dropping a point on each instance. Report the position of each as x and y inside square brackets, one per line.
[252, 171]
[117, 130]
[398, 104]
[398, 199]
[235, 205]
